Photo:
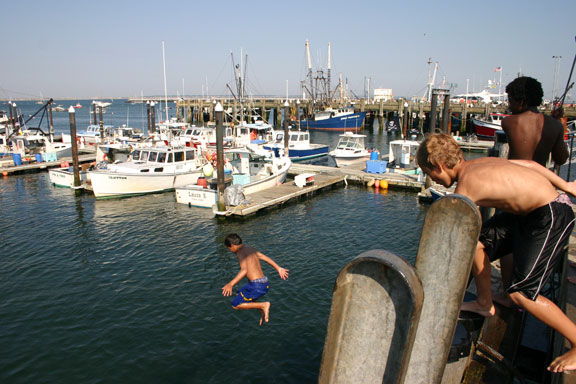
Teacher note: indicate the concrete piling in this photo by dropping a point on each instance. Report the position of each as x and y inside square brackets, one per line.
[447, 247]
[373, 319]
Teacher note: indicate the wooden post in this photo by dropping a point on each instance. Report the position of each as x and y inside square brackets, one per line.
[298, 113]
[447, 247]
[433, 107]
[218, 115]
[446, 113]
[101, 124]
[152, 116]
[75, 163]
[94, 121]
[51, 122]
[286, 128]
[375, 310]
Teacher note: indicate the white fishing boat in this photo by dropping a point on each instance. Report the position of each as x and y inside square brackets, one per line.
[401, 154]
[252, 171]
[350, 149]
[105, 154]
[149, 170]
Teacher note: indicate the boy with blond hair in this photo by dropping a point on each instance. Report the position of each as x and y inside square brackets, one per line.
[534, 225]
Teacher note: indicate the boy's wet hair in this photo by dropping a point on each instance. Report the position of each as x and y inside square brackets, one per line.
[232, 239]
[436, 149]
[527, 89]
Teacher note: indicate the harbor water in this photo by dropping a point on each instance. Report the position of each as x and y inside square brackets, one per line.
[129, 290]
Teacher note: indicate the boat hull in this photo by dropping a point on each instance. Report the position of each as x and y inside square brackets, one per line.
[315, 150]
[108, 184]
[485, 129]
[339, 123]
[203, 197]
[64, 177]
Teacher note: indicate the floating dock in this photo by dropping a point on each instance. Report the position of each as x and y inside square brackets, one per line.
[323, 177]
[8, 168]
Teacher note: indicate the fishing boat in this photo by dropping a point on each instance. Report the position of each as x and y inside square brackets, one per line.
[485, 129]
[251, 170]
[350, 149]
[149, 170]
[401, 154]
[341, 119]
[105, 154]
[299, 146]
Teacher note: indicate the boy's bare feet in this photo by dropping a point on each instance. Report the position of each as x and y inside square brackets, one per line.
[566, 362]
[265, 313]
[504, 300]
[473, 306]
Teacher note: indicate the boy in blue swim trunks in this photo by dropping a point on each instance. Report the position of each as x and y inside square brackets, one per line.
[535, 225]
[257, 286]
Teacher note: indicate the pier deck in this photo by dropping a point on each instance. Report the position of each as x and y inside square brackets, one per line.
[324, 177]
[34, 166]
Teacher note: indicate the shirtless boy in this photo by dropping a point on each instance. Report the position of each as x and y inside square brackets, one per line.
[531, 134]
[534, 225]
[257, 286]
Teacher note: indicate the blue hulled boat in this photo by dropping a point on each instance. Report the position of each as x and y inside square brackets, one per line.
[299, 146]
[342, 119]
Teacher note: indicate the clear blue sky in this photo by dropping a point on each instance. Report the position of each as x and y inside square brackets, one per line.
[105, 48]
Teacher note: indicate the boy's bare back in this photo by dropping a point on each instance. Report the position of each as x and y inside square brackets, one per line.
[503, 184]
[248, 258]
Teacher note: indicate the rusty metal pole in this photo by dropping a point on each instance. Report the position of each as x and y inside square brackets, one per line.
[75, 164]
[218, 116]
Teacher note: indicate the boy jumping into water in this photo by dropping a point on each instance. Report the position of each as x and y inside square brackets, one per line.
[534, 225]
[249, 260]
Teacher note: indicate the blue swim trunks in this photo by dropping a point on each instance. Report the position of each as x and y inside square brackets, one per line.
[251, 291]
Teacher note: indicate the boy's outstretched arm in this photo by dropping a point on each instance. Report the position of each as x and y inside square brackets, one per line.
[227, 289]
[555, 180]
[283, 272]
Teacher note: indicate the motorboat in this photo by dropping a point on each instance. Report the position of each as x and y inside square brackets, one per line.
[329, 119]
[299, 146]
[402, 153]
[105, 154]
[350, 149]
[149, 170]
[243, 167]
[485, 129]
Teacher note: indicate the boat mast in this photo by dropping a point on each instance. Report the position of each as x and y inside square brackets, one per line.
[328, 88]
[310, 71]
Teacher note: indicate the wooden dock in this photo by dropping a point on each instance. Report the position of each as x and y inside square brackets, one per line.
[6, 169]
[324, 177]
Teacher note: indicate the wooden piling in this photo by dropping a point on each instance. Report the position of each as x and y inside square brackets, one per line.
[218, 115]
[446, 113]
[286, 127]
[75, 162]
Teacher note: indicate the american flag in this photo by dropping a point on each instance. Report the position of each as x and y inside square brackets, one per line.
[498, 69]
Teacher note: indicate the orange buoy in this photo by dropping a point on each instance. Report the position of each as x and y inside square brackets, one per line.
[376, 184]
[5, 173]
[383, 184]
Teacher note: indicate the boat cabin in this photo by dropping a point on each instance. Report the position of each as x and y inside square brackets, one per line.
[162, 155]
[351, 142]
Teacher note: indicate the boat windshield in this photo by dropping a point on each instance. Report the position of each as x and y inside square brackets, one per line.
[153, 157]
